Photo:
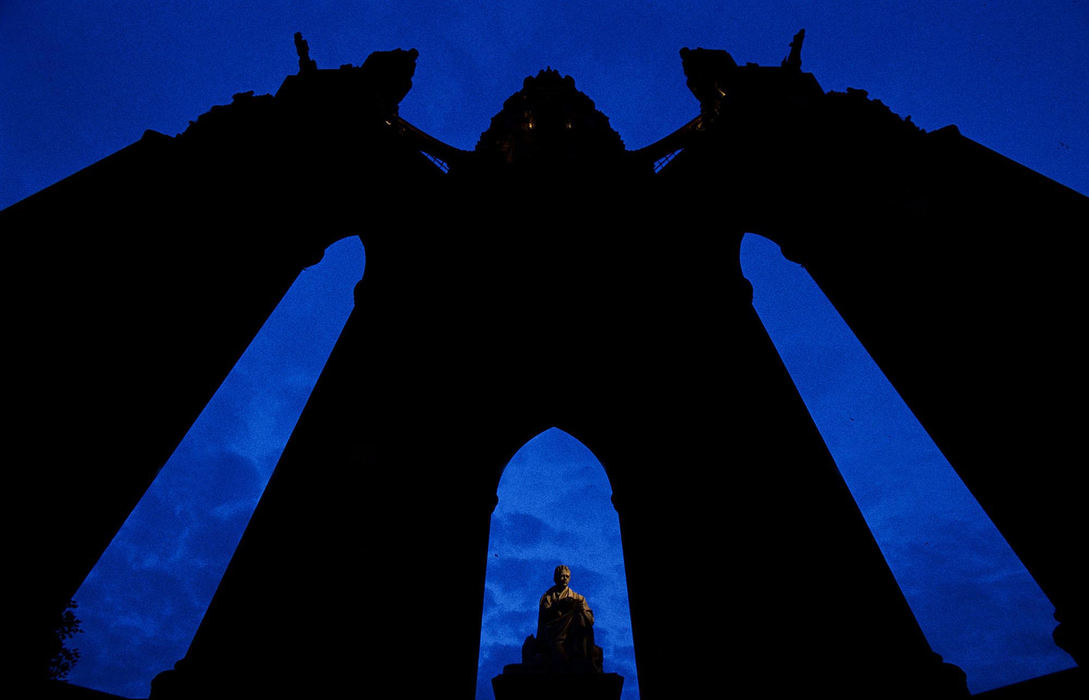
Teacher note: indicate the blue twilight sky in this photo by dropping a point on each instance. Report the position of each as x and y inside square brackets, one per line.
[82, 80]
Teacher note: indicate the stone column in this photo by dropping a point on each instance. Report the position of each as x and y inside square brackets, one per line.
[964, 289]
[135, 301]
[748, 563]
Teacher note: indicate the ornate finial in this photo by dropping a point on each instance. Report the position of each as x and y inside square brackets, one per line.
[550, 127]
[794, 59]
[306, 64]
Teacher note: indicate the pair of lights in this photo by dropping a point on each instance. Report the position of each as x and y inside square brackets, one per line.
[567, 125]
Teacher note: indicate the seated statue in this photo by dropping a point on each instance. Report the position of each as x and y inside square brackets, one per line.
[565, 630]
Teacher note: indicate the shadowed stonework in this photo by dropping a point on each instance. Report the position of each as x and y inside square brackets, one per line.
[441, 375]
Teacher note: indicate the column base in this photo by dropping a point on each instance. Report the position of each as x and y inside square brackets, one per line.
[521, 682]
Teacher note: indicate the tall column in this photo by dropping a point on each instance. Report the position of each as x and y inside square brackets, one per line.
[130, 306]
[958, 269]
[362, 568]
[143, 278]
[749, 566]
[965, 292]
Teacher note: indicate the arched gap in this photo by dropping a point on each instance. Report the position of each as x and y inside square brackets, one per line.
[977, 605]
[143, 601]
[554, 507]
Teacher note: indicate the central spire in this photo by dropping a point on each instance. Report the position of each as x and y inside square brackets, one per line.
[549, 127]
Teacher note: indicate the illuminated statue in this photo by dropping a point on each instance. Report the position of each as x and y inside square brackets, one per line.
[565, 628]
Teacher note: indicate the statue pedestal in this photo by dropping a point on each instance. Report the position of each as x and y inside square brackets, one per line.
[520, 682]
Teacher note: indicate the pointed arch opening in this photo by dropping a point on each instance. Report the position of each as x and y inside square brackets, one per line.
[973, 598]
[142, 603]
[554, 508]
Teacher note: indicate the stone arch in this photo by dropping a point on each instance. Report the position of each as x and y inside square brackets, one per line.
[531, 534]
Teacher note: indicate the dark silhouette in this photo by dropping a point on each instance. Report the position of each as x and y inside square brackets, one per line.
[591, 293]
[793, 61]
[549, 131]
[64, 657]
[306, 64]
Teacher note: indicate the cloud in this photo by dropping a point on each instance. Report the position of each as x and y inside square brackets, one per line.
[513, 532]
[493, 658]
[510, 626]
[518, 583]
[134, 627]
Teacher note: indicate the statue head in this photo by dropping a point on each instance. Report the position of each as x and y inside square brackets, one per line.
[562, 575]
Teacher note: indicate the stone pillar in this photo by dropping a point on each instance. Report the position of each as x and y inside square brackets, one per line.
[959, 270]
[363, 565]
[134, 306]
[970, 316]
[747, 559]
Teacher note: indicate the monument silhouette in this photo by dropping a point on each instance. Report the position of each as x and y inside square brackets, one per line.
[550, 277]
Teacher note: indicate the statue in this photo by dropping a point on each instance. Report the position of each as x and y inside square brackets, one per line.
[793, 60]
[302, 48]
[565, 630]
[562, 661]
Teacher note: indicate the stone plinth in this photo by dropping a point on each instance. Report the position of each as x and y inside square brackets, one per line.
[520, 682]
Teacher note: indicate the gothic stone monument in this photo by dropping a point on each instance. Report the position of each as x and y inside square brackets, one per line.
[931, 246]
